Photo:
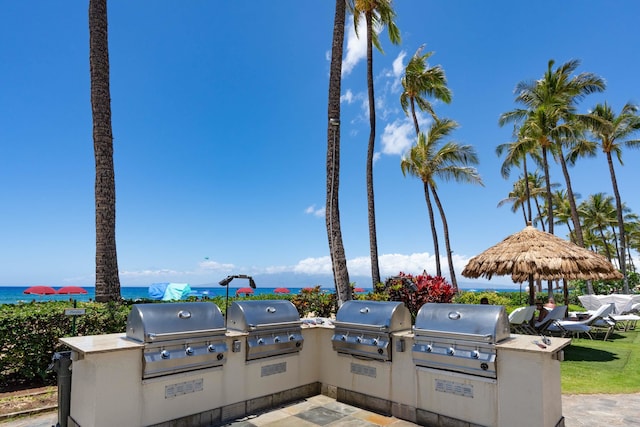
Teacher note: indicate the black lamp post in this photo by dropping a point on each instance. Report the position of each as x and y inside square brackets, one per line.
[225, 282]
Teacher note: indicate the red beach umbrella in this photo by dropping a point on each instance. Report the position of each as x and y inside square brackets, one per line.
[40, 290]
[245, 291]
[71, 290]
[358, 290]
[281, 291]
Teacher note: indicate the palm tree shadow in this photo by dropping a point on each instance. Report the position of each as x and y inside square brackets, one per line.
[585, 354]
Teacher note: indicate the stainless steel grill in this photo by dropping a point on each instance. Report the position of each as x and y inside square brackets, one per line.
[364, 328]
[178, 337]
[460, 337]
[273, 327]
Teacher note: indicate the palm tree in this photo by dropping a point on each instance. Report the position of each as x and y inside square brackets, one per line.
[419, 81]
[562, 211]
[520, 195]
[548, 117]
[334, 233]
[107, 279]
[599, 213]
[428, 161]
[612, 133]
[377, 13]
[517, 152]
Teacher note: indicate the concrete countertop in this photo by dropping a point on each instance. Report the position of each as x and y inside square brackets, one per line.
[528, 343]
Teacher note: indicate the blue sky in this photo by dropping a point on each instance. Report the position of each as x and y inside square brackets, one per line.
[219, 123]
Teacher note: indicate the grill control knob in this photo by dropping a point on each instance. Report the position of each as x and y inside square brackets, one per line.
[451, 351]
[276, 339]
[375, 341]
[429, 348]
[211, 348]
[220, 356]
[188, 351]
[358, 340]
[260, 341]
[475, 354]
[164, 354]
[292, 338]
[343, 338]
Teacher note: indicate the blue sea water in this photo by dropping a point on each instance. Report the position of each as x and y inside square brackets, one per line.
[15, 294]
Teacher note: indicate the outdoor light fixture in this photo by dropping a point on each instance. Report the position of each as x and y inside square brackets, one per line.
[225, 282]
[334, 122]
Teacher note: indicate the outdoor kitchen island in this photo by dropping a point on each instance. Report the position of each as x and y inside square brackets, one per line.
[108, 387]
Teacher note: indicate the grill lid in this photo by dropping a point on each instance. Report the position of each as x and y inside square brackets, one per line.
[471, 322]
[385, 316]
[247, 316]
[170, 321]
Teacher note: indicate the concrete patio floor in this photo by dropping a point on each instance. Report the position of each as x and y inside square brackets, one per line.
[602, 410]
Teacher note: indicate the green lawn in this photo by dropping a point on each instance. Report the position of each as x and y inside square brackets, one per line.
[596, 366]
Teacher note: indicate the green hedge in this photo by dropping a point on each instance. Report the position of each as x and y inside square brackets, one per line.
[29, 335]
[30, 332]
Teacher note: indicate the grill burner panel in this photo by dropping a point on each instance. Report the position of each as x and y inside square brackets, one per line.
[460, 337]
[273, 327]
[363, 328]
[178, 337]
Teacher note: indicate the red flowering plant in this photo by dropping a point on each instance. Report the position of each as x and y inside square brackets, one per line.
[415, 291]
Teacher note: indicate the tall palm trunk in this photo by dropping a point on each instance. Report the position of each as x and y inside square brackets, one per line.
[527, 189]
[547, 181]
[373, 239]
[445, 228]
[334, 233]
[622, 252]
[107, 279]
[575, 218]
[436, 247]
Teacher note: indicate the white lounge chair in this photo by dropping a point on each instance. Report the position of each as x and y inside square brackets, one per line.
[520, 319]
[598, 319]
[552, 317]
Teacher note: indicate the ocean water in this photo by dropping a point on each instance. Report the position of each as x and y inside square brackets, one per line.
[15, 294]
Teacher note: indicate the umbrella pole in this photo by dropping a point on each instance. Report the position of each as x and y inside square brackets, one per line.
[73, 321]
[532, 291]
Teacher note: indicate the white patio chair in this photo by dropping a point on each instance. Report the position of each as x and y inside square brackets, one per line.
[552, 317]
[520, 319]
[598, 319]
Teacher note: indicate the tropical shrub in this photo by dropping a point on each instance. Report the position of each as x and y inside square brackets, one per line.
[315, 301]
[495, 298]
[415, 291]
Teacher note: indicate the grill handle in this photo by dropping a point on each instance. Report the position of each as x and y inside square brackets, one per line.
[361, 326]
[253, 327]
[426, 333]
[176, 335]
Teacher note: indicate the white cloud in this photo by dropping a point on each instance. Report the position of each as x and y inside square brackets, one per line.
[158, 273]
[356, 46]
[312, 210]
[209, 271]
[347, 97]
[216, 266]
[398, 65]
[398, 136]
[320, 265]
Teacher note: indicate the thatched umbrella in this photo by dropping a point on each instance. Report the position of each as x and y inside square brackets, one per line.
[536, 255]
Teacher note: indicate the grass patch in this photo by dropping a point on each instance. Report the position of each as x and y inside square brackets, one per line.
[596, 366]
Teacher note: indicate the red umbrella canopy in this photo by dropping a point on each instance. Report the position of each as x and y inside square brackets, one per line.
[358, 290]
[40, 290]
[69, 290]
[281, 290]
[244, 291]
